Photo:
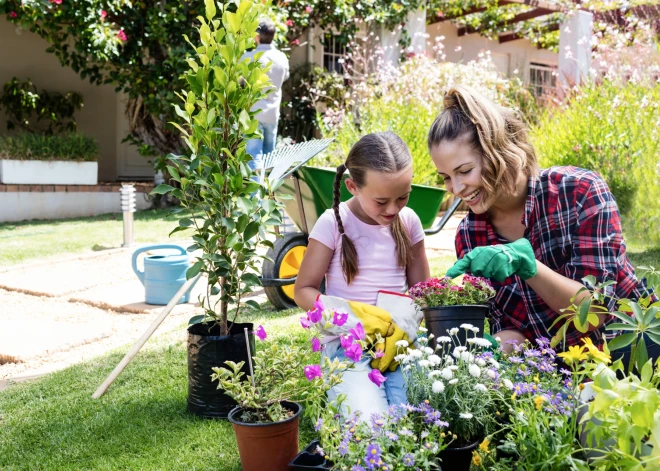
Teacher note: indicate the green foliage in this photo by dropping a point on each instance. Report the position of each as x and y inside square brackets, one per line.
[215, 180]
[28, 146]
[611, 128]
[28, 108]
[278, 376]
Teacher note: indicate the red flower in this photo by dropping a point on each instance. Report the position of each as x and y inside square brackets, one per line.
[289, 23]
[296, 42]
[121, 35]
[56, 2]
[308, 9]
[12, 14]
[104, 14]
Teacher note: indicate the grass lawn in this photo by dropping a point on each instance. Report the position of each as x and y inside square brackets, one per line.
[29, 241]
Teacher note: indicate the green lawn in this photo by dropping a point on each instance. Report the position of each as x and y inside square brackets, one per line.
[141, 423]
[33, 240]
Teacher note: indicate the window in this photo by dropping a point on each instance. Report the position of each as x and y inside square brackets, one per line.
[334, 51]
[542, 79]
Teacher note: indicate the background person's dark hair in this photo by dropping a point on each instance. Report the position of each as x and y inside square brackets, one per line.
[266, 31]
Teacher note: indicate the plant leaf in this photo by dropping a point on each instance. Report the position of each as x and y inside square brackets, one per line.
[194, 270]
[162, 189]
[621, 341]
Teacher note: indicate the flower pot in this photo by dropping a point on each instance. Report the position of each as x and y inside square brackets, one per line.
[457, 459]
[439, 320]
[309, 460]
[208, 349]
[267, 446]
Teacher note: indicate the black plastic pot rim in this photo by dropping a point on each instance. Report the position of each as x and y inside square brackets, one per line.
[237, 409]
[464, 448]
[436, 308]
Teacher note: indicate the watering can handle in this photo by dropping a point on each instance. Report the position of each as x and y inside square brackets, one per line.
[140, 274]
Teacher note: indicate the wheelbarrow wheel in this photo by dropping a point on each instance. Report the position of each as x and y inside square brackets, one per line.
[287, 255]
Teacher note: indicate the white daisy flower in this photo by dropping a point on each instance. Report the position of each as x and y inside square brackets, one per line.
[466, 415]
[401, 343]
[453, 381]
[424, 363]
[446, 373]
[475, 330]
[491, 374]
[493, 362]
[438, 387]
[423, 329]
[480, 387]
[435, 360]
[443, 339]
[428, 350]
[453, 367]
[467, 326]
[416, 354]
[430, 336]
[467, 356]
[433, 374]
[453, 331]
[422, 339]
[474, 370]
[508, 383]
[481, 362]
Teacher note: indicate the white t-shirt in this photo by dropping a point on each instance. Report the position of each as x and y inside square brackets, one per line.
[377, 257]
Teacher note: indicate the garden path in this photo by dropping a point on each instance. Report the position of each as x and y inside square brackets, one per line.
[56, 314]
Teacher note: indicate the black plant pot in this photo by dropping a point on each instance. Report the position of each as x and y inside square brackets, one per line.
[457, 459]
[439, 320]
[206, 350]
[308, 460]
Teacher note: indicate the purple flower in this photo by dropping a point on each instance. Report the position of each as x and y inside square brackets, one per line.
[409, 459]
[316, 345]
[319, 424]
[261, 333]
[373, 453]
[316, 313]
[357, 467]
[304, 321]
[379, 354]
[376, 377]
[346, 341]
[343, 448]
[313, 371]
[392, 436]
[358, 332]
[339, 318]
[354, 352]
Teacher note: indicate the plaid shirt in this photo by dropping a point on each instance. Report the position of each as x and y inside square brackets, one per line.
[573, 224]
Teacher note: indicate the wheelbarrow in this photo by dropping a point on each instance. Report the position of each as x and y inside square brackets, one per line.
[306, 193]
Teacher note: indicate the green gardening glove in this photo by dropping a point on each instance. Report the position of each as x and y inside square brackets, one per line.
[498, 261]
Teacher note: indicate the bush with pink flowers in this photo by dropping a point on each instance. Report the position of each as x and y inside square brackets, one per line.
[436, 292]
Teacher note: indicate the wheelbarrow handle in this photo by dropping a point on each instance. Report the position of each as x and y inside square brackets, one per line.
[449, 213]
[277, 282]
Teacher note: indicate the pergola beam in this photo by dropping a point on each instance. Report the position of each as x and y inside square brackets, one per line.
[513, 36]
[528, 15]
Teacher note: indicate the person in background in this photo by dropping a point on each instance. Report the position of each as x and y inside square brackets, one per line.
[269, 107]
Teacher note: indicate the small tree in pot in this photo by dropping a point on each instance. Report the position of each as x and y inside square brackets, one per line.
[216, 191]
[447, 305]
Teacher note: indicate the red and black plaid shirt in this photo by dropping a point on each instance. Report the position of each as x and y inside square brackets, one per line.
[573, 224]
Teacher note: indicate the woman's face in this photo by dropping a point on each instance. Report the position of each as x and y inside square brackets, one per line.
[460, 166]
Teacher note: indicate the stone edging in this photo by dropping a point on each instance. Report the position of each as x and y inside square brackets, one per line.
[104, 187]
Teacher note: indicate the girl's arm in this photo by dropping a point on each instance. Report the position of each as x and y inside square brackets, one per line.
[418, 270]
[312, 271]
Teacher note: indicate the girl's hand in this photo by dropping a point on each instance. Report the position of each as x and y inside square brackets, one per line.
[498, 261]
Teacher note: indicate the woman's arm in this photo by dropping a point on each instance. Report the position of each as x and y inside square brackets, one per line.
[418, 269]
[312, 271]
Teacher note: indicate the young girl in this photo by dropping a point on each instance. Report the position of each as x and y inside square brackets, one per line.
[371, 243]
[537, 233]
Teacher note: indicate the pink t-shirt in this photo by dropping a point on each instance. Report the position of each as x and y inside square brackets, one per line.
[376, 249]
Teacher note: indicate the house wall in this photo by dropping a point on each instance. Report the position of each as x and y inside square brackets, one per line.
[23, 55]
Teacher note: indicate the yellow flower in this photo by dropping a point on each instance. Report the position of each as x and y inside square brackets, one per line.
[476, 459]
[573, 355]
[539, 400]
[594, 352]
[484, 445]
[536, 378]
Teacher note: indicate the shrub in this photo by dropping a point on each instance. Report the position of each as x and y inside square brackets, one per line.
[403, 99]
[27, 146]
[611, 128]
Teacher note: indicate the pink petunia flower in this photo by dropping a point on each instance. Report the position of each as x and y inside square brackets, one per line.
[313, 371]
[339, 318]
[12, 14]
[376, 377]
[296, 42]
[122, 36]
[354, 352]
[346, 341]
[308, 9]
[304, 322]
[316, 344]
[289, 23]
[56, 2]
[358, 332]
[379, 354]
[316, 313]
[104, 14]
[261, 333]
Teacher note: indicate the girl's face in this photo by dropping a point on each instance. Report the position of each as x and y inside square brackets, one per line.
[460, 166]
[383, 194]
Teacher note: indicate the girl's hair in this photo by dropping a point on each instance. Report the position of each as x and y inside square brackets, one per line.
[379, 152]
[496, 132]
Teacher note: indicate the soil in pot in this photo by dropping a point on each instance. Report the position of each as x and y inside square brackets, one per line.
[438, 320]
[208, 349]
[267, 446]
[457, 459]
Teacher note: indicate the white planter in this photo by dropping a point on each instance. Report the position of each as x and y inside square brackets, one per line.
[43, 172]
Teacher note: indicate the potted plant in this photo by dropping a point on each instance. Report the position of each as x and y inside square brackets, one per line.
[405, 438]
[216, 192]
[270, 402]
[447, 305]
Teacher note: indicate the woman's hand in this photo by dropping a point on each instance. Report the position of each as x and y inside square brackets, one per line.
[498, 261]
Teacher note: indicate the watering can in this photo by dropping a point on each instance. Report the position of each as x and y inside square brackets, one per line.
[163, 275]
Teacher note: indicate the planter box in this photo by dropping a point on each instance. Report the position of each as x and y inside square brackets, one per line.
[40, 172]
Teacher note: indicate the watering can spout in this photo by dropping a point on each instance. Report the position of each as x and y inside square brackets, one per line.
[163, 275]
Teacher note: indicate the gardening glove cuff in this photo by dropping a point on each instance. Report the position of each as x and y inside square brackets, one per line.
[388, 350]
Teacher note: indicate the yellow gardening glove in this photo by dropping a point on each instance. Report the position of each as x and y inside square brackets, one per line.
[389, 350]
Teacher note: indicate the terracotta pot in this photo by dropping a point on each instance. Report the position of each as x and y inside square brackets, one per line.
[457, 459]
[442, 318]
[267, 446]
